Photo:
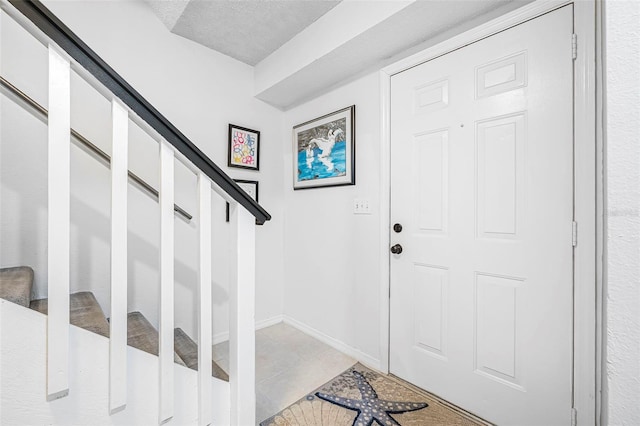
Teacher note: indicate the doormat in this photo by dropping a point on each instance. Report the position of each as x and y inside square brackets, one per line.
[363, 397]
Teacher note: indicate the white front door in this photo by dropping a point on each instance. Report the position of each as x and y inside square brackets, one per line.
[482, 185]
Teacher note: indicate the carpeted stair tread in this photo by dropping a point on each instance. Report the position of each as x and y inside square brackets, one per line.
[186, 348]
[16, 284]
[84, 312]
[188, 351]
[141, 334]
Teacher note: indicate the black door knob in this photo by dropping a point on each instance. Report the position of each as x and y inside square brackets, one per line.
[397, 227]
[397, 249]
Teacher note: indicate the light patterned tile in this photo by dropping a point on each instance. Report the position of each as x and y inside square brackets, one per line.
[309, 348]
[272, 363]
[284, 389]
[289, 365]
[334, 362]
[265, 407]
[277, 331]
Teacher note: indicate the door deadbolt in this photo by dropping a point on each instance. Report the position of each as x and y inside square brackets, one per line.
[397, 227]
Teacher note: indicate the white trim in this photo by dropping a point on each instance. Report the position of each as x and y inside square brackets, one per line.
[220, 337]
[269, 322]
[224, 335]
[588, 212]
[601, 230]
[385, 211]
[360, 356]
[588, 191]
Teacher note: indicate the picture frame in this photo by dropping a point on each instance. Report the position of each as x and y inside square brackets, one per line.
[250, 187]
[244, 148]
[324, 150]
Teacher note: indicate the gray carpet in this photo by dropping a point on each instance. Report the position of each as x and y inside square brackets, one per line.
[187, 349]
[142, 335]
[16, 284]
[84, 312]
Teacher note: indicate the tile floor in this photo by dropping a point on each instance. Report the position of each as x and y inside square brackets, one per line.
[289, 364]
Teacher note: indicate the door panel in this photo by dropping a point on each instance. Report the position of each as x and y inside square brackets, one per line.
[482, 182]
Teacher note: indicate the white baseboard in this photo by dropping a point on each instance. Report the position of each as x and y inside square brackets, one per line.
[220, 337]
[269, 322]
[360, 356]
[224, 336]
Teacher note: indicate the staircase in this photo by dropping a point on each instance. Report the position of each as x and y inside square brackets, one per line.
[55, 373]
[16, 285]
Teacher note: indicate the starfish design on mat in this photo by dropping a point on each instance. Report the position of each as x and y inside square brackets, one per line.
[370, 407]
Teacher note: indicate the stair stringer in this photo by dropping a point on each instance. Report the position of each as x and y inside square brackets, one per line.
[23, 379]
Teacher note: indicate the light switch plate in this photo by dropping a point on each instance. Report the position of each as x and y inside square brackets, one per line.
[361, 206]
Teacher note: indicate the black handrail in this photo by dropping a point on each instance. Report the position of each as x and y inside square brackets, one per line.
[57, 31]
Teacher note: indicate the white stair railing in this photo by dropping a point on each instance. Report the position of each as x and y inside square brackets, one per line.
[165, 351]
[242, 317]
[204, 296]
[243, 215]
[59, 174]
[119, 258]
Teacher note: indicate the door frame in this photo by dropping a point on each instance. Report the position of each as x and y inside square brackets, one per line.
[588, 193]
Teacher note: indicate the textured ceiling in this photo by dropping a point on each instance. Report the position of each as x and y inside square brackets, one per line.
[245, 30]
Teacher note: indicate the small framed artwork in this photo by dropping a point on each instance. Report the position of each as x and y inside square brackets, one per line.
[248, 186]
[244, 147]
[324, 150]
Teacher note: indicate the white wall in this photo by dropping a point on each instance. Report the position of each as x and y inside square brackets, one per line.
[199, 91]
[23, 385]
[332, 274]
[332, 266]
[622, 291]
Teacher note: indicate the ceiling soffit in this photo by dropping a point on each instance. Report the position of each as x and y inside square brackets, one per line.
[302, 48]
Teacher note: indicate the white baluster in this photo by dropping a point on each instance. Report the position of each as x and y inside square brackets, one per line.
[204, 324]
[166, 281]
[242, 316]
[118, 322]
[59, 163]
